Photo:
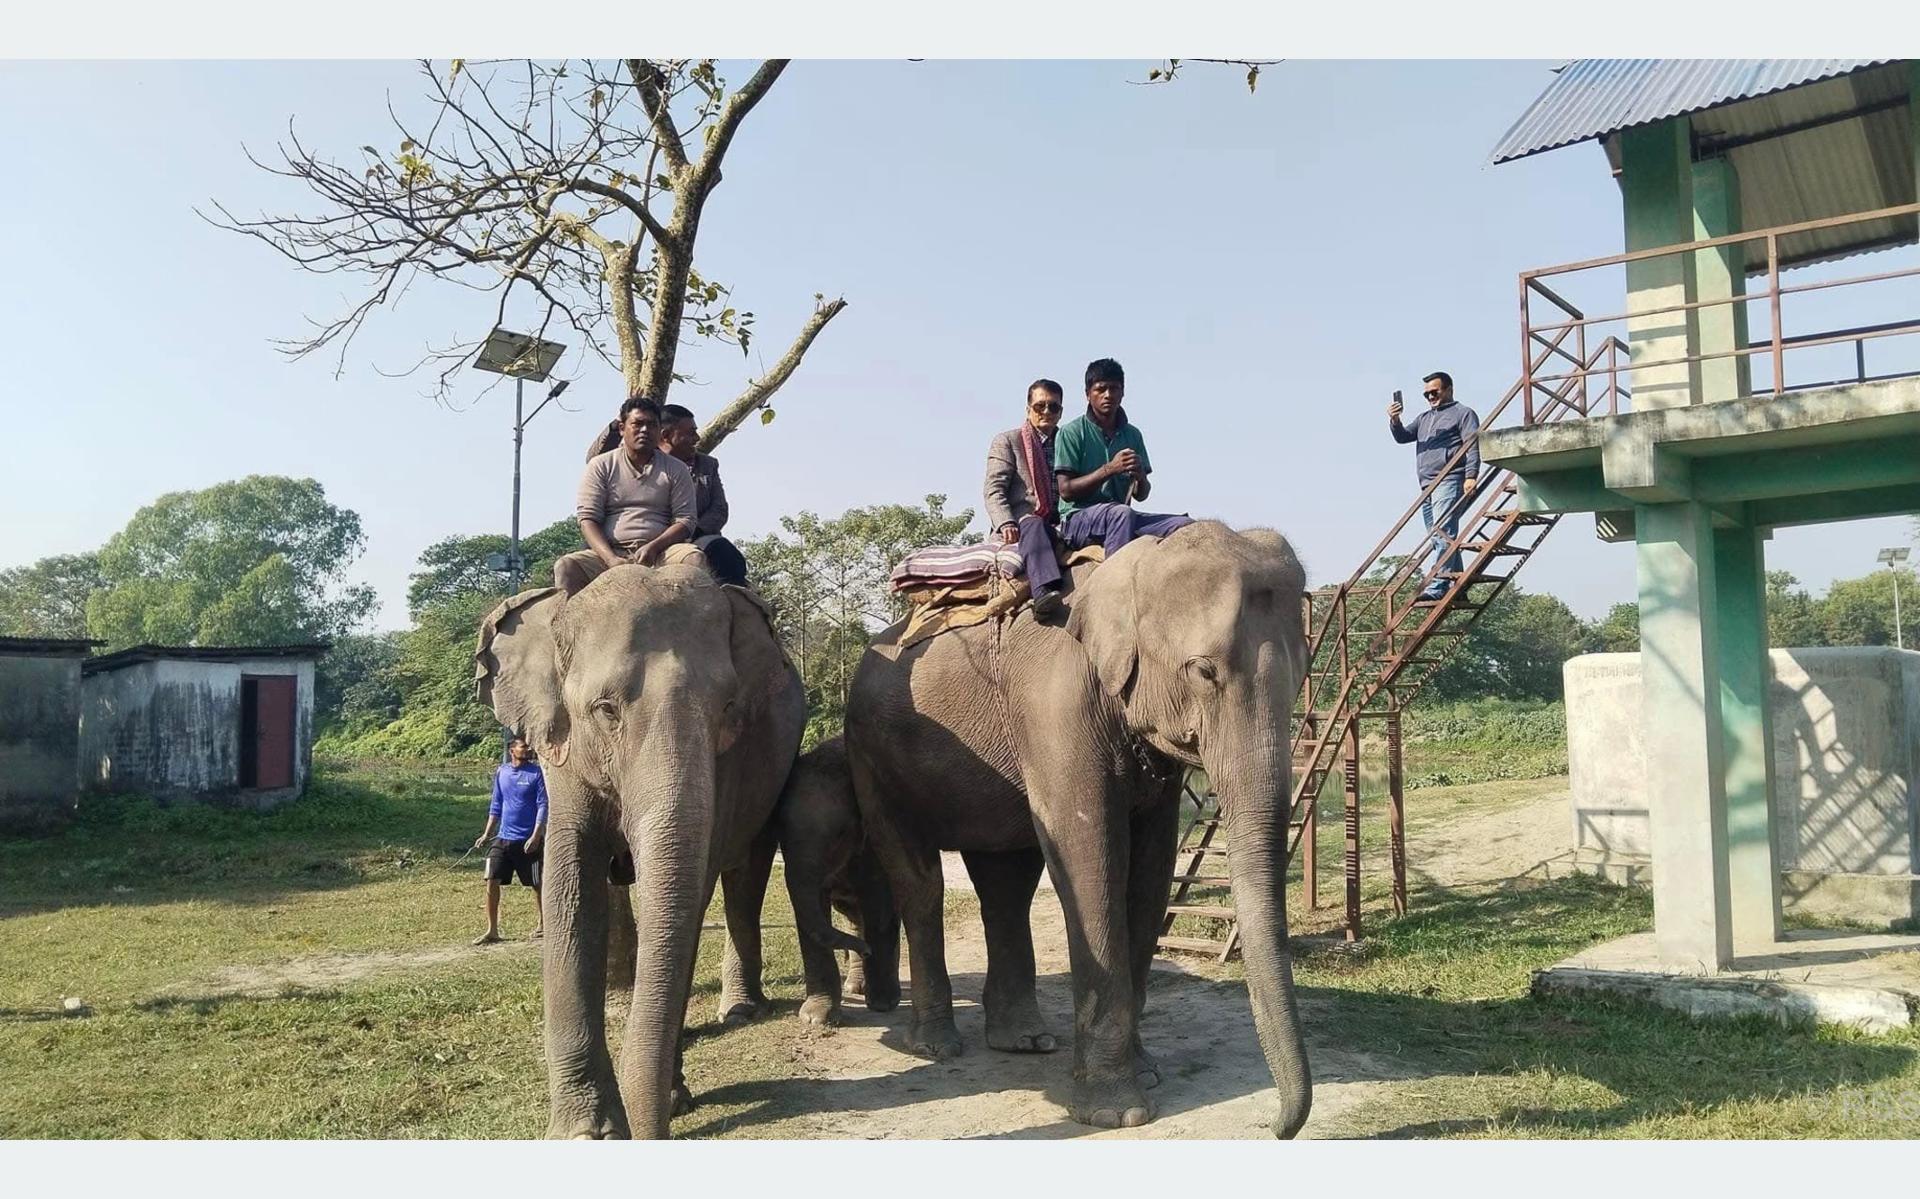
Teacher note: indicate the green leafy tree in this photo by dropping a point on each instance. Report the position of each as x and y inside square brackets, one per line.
[1618, 632]
[1515, 650]
[49, 598]
[457, 566]
[827, 582]
[1793, 616]
[1860, 611]
[260, 560]
[355, 686]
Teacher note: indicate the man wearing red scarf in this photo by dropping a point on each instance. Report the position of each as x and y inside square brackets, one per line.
[1023, 499]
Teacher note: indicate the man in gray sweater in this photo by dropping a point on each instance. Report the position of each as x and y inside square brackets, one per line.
[1436, 434]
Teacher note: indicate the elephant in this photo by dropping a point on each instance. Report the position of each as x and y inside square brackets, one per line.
[827, 861]
[1024, 743]
[667, 716]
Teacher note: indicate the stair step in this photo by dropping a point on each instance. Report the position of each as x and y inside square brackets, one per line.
[1218, 851]
[1532, 518]
[1201, 878]
[1193, 945]
[1213, 911]
[1488, 547]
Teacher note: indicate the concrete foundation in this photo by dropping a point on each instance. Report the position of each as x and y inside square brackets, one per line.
[1862, 980]
[1845, 789]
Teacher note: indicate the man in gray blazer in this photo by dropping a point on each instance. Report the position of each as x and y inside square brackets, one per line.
[1023, 498]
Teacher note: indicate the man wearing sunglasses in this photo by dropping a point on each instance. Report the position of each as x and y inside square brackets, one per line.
[1022, 501]
[1436, 434]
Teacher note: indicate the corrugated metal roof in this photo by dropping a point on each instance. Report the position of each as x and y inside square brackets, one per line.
[199, 653]
[1593, 97]
[46, 647]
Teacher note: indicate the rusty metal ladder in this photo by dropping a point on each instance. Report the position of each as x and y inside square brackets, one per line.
[1357, 672]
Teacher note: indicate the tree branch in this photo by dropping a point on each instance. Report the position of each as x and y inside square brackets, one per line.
[715, 428]
[738, 105]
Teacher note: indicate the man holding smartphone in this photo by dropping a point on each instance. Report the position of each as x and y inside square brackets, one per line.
[1436, 434]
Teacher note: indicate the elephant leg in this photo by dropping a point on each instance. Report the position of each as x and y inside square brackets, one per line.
[583, 1091]
[879, 927]
[913, 871]
[1081, 814]
[1155, 832]
[745, 891]
[1005, 883]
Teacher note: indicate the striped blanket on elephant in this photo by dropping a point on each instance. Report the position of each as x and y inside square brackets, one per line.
[940, 605]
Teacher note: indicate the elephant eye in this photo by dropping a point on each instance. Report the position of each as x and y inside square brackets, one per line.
[1204, 668]
[606, 711]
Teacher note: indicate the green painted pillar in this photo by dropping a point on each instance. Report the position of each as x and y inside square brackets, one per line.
[1680, 714]
[1720, 274]
[1656, 197]
[1746, 737]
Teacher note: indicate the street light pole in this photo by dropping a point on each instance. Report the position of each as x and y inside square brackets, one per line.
[523, 357]
[1893, 558]
[514, 563]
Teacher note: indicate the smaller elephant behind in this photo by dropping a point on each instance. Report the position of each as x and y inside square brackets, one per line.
[828, 864]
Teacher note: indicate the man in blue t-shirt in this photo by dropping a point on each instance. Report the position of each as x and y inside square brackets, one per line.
[1437, 435]
[519, 808]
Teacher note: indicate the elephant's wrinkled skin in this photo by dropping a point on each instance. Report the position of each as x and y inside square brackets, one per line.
[1020, 742]
[666, 716]
[827, 862]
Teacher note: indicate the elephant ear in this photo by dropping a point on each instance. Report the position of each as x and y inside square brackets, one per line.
[1108, 624]
[517, 670]
[760, 664]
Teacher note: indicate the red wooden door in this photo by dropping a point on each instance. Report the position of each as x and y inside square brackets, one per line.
[273, 730]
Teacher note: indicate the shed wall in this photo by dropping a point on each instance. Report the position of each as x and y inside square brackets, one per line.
[39, 740]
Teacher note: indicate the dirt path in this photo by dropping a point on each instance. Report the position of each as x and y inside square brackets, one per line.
[859, 1081]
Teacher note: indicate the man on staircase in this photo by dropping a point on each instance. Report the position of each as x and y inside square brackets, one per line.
[1436, 434]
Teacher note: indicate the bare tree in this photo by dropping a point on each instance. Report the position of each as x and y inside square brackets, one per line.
[576, 187]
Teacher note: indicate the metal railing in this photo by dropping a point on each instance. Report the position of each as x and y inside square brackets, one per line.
[1775, 346]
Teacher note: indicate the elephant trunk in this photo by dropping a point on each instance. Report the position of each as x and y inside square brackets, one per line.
[807, 889]
[1255, 800]
[670, 799]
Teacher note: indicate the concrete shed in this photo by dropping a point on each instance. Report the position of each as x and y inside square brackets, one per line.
[1844, 778]
[223, 724]
[39, 729]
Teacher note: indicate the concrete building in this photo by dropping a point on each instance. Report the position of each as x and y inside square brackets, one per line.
[39, 730]
[1732, 407]
[1846, 777]
[230, 725]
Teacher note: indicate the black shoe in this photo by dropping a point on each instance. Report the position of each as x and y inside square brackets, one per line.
[1046, 605]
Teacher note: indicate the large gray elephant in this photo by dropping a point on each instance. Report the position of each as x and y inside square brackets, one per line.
[1020, 742]
[667, 717]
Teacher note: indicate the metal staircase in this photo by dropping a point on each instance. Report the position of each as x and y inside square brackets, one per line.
[1373, 644]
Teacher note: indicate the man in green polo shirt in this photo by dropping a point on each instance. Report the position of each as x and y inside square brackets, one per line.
[1100, 461]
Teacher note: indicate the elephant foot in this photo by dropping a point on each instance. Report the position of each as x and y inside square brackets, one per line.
[856, 984]
[682, 1100]
[1146, 1068]
[1018, 1028]
[883, 996]
[937, 1039]
[735, 1010]
[597, 1124]
[823, 1010]
[1111, 1104]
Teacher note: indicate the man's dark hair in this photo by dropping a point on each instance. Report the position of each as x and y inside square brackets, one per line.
[1446, 380]
[673, 414]
[641, 403]
[1104, 370]
[1047, 385]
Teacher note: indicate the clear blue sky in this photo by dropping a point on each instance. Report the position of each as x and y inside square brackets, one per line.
[1268, 268]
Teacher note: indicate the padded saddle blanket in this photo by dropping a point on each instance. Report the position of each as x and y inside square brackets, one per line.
[940, 606]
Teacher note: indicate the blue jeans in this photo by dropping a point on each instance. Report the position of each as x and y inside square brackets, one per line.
[1441, 510]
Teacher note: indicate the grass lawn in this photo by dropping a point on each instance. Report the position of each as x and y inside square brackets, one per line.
[145, 915]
